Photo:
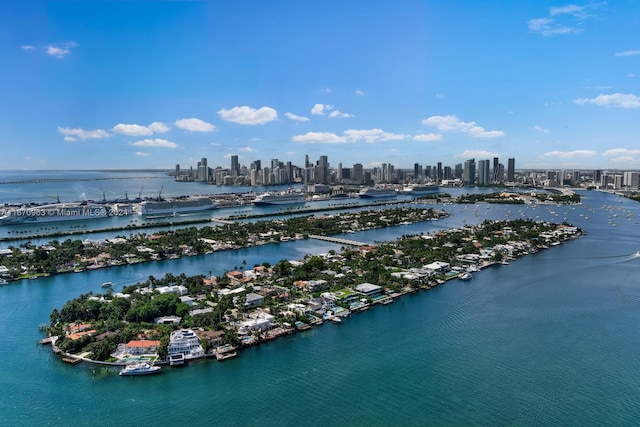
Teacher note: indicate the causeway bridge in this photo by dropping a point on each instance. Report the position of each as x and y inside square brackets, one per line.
[222, 221]
[338, 240]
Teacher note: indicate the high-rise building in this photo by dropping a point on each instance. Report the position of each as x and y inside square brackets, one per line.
[358, 173]
[484, 177]
[438, 179]
[235, 165]
[457, 171]
[496, 171]
[469, 172]
[203, 170]
[631, 180]
[511, 169]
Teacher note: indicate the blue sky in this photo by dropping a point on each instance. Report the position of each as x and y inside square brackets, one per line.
[148, 84]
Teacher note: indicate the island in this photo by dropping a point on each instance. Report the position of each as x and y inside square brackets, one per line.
[174, 319]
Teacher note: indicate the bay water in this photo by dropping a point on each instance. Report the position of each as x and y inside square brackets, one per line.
[550, 339]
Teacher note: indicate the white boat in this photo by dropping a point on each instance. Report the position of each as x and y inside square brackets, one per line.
[176, 206]
[288, 198]
[374, 192]
[465, 276]
[141, 368]
[419, 190]
[107, 284]
[53, 212]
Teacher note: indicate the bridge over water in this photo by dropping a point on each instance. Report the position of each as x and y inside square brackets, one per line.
[338, 240]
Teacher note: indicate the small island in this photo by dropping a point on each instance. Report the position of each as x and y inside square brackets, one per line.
[174, 319]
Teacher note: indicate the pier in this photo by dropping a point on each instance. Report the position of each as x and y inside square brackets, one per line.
[338, 240]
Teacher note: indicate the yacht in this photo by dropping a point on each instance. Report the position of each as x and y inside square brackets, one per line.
[141, 368]
[465, 276]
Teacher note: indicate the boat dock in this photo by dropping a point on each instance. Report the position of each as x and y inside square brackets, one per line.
[338, 240]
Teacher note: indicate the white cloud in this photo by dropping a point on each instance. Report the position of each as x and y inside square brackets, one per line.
[631, 75]
[359, 92]
[249, 116]
[142, 153]
[619, 100]
[154, 143]
[451, 123]
[296, 118]
[338, 113]
[319, 109]
[570, 154]
[27, 47]
[159, 127]
[622, 152]
[427, 137]
[472, 154]
[60, 51]
[194, 125]
[351, 135]
[132, 130]
[320, 138]
[372, 135]
[540, 129]
[77, 133]
[247, 150]
[622, 160]
[563, 20]
[572, 9]
[628, 53]
[140, 130]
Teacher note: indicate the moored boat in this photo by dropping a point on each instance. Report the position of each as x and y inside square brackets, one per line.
[141, 368]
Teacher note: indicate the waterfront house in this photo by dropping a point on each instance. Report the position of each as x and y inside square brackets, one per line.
[438, 267]
[212, 338]
[139, 347]
[369, 289]
[186, 342]
[257, 321]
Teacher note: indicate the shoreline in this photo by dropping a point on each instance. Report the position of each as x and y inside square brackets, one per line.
[386, 298]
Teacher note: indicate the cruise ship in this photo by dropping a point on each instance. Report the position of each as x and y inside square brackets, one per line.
[421, 189]
[373, 192]
[53, 212]
[176, 206]
[279, 199]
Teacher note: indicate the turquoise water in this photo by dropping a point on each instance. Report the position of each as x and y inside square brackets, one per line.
[551, 339]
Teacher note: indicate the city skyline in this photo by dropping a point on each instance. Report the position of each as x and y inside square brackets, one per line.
[124, 85]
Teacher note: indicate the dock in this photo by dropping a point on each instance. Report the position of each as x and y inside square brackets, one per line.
[338, 240]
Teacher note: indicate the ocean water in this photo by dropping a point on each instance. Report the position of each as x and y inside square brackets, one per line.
[550, 339]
